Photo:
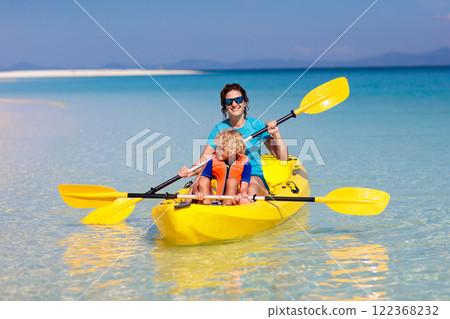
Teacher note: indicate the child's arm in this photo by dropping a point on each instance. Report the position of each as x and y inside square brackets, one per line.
[244, 188]
[245, 182]
[242, 197]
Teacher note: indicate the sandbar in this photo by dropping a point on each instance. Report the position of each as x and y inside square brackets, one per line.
[92, 73]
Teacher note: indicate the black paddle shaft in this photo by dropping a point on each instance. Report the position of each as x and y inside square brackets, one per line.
[153, 190]
[149, 195]
[289, 199]
[283, 119]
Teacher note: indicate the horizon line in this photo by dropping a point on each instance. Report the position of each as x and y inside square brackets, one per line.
[117, 72]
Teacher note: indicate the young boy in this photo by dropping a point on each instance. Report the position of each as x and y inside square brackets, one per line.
[230, 167]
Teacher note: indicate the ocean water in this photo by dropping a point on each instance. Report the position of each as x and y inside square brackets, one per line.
[392, 134]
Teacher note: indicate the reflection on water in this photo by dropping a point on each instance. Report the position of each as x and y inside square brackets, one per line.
[98, 249]
[224, 267]
[279, 264]
[32, 101]
[282, 263]
[356, 264]
[5, 120]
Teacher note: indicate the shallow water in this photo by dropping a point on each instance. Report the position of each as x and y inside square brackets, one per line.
[391, 134]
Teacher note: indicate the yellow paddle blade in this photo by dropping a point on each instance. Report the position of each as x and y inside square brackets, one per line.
[356, 201]
[324, 97]
[88, 196]
[114, 213]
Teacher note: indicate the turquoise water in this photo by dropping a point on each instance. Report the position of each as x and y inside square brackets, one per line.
[391, 134]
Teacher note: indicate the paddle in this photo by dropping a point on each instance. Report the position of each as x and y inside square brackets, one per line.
[348, 200]
[318, 100]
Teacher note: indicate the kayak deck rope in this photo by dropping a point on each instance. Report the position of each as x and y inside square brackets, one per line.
[294, 189]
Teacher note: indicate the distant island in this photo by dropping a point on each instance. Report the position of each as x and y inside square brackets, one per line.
[435, 58]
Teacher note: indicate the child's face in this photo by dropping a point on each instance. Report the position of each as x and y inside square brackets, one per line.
[224, 154]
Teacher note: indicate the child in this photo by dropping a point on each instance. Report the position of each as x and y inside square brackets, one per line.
[230, 167]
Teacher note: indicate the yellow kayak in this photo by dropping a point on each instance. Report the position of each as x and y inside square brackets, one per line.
[204, 223]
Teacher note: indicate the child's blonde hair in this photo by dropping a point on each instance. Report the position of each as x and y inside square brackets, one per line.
[231, 140]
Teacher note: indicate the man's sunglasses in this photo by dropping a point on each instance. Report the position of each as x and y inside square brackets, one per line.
[238, 100]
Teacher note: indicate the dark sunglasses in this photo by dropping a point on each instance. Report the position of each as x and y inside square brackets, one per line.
[238, 100]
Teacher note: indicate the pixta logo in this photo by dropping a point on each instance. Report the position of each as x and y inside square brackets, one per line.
[309, 151]
[310, 145]
[141, 148]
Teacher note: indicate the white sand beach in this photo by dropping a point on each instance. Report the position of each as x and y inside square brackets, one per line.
[92, 73]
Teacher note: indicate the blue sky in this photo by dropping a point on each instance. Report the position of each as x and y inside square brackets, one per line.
[57, 33]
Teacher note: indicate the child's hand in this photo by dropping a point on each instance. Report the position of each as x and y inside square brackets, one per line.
[236, 199]
[245, 199]
[200, 195]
